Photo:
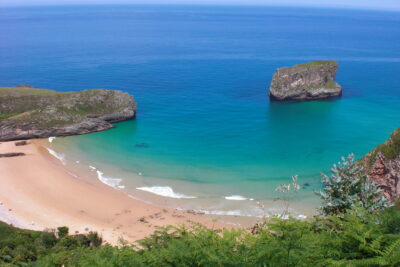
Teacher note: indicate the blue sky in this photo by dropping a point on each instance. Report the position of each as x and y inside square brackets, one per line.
[363, 4]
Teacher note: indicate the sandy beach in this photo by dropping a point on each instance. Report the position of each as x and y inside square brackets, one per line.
[37, 192]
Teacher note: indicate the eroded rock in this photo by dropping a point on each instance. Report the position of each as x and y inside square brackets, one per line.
[308, 81]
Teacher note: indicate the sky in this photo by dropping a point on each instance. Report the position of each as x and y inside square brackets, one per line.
[359, 4]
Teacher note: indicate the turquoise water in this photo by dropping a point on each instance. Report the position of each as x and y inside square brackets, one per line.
[200, 75]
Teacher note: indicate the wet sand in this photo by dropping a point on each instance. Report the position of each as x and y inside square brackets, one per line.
[38, 192]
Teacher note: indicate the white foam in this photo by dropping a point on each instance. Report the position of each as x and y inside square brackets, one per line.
[51, 139]
[301, 217]
[235, 197]
[113, 182]
[229, 213]
[164, 191]
[72, 174]
[223, 212]
[93, 168]
[59, 156]
[77, 161]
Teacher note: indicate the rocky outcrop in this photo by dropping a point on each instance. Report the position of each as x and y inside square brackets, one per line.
[383, 166]
[308, 81]
[12, 154]
[27, 112]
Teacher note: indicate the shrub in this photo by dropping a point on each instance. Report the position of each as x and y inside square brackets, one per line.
[348, 186]
[62, 231]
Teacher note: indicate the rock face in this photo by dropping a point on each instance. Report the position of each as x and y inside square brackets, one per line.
[308, 81]
[27, 112]
[383, 166]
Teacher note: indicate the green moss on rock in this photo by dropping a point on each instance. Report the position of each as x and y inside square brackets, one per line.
[316, 63]
[390, 150]
[27, 112]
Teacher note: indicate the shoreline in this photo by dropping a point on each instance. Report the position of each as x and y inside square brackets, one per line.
[37, 192]
[222, 199]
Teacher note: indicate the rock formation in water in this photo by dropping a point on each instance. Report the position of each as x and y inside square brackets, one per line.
[383, 166]
[27, 112]
[308, 81]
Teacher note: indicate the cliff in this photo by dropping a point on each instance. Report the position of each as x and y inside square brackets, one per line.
[308, 81]
[27, 112]
[383, 166]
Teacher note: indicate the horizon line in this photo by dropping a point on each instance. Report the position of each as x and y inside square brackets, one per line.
[346, 7]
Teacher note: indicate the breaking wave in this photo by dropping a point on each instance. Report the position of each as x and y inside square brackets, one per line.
[59, 156]
[164, 191]
[235, 197]
[113, 182]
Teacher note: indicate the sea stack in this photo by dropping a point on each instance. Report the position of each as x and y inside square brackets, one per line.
[308, 81]
[27, 112]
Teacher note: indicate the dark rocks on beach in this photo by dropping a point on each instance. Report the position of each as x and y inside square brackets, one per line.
[308, 81]
[12, 154]
[21, 143]
[143, 220]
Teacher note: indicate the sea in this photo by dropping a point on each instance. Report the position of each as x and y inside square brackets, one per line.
[206, 136]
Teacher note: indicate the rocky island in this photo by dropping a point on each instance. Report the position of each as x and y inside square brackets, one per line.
[27, 112]
[308, 81]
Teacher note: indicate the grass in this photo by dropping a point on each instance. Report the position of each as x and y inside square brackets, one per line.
[48, 108]
[328, 85]
[390, 149]
[316, 63]
[7, 91]
[4, 116]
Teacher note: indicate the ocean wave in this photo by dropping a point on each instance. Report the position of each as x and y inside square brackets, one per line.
[225, 212]
[249, 214]
[164, 191]
[72, 174]
[59, 156]
[113, 182]
[235, 197]
[51, 139]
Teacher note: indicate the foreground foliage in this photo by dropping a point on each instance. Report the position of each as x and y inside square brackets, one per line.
[358, 238]
[348, 186]
[354, 229]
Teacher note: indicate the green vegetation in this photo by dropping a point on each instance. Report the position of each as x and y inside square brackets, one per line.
[316, 63]
[358, 238]
[348, 186]
[328, 85]
[42, 108]
[19, 247]
[4, 116]
[356, 235]
[390, 150]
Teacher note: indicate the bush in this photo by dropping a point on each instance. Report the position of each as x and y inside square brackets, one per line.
[347, 187]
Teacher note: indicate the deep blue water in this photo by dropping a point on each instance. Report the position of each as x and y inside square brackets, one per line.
[200, 76]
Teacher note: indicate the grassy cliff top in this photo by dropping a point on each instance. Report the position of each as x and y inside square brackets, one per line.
[390, 150]
[25, 105]
[25, 90]
[316, 63]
